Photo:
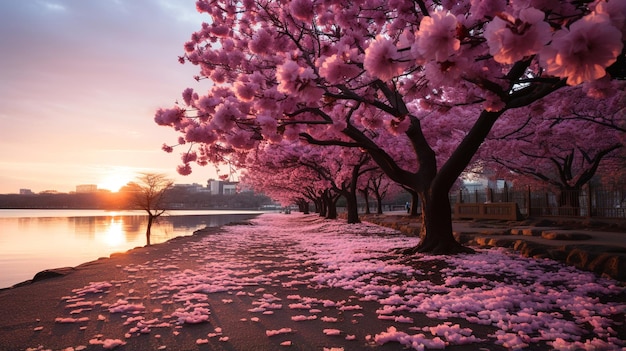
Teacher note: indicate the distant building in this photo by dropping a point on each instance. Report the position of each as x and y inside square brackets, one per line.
[86, 188]
[192, 188]
[219, 187]
[26, 192]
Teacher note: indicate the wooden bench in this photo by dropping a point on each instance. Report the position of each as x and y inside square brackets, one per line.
[499, 210]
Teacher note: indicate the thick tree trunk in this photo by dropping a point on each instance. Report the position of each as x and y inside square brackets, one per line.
[352, 207]
[436, 232]
[331, 209]
[329, 203]
[569, 201]
[323, 209]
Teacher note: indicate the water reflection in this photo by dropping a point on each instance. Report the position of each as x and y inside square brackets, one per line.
[31, 244]
[115, 232]
[129, 227]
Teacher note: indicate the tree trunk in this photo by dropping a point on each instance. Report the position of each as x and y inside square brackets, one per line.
[323, 206]
[329, 204]
[379, 203]
[414, 204]
[569, 201]
[317, 205]
[436, 235]
[150, 220]
[352, 207]
[331, 208]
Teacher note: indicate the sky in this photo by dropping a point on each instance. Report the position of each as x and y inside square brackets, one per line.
[79, 84]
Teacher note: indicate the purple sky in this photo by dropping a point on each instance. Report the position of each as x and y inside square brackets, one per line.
[79, 84]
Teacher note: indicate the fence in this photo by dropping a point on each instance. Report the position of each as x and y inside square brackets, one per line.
[588, 202]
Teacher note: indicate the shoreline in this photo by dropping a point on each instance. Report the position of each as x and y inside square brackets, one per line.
[247, 287]
[62, 271]
[31, 244]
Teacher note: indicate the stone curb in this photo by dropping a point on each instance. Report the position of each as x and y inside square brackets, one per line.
[603, 260]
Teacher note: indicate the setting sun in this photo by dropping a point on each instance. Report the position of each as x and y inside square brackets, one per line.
[115, 179]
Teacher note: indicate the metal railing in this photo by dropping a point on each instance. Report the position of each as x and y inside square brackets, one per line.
[588, 202]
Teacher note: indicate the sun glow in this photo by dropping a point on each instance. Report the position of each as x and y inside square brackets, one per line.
[115, 179]
[114, 235]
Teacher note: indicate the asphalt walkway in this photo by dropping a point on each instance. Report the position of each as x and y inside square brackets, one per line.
[300, 282]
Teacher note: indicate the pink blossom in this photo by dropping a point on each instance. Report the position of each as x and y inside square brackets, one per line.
[298, 81]
[188, 96]
[167, 148]
[446, 73]
[338, 126]
[600, 89]
[302, 9]
[218, 75]
[220, 31]
[200, 134]
[616, 11]
[287, 75]
[493, 103]
[225, 116]
[399, 126]
[436, 38]
[582, 52]
[292, 132]
[335, 70]
[245, 90]
[184, 169]
[261, 42]
[241, 140]
[168, 117]
[381, 59]
[486, 8]
[372, 121]
[189, 157]
[278, 331]
[208, 103]
[511, 39]
[190, 46]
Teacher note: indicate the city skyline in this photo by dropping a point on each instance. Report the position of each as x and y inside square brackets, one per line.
[86, 187]
[80, 84]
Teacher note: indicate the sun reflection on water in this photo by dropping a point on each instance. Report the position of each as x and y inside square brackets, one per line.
[114, 234]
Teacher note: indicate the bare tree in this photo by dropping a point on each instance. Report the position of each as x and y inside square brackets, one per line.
[149, 192]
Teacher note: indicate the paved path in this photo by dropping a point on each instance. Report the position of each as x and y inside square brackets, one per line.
[297, 282]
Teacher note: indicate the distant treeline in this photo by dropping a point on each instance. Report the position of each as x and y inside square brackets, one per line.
[103, 200]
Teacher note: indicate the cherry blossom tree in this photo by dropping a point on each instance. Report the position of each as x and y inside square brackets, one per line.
[380, 186]
[562, 145]
[287, 184]
[275, 169]
[339, 170]
[346, 73]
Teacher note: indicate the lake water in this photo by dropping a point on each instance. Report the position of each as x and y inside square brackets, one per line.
[35, 240]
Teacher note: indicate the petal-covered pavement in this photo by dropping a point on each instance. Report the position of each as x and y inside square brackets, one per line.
[299, 282]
